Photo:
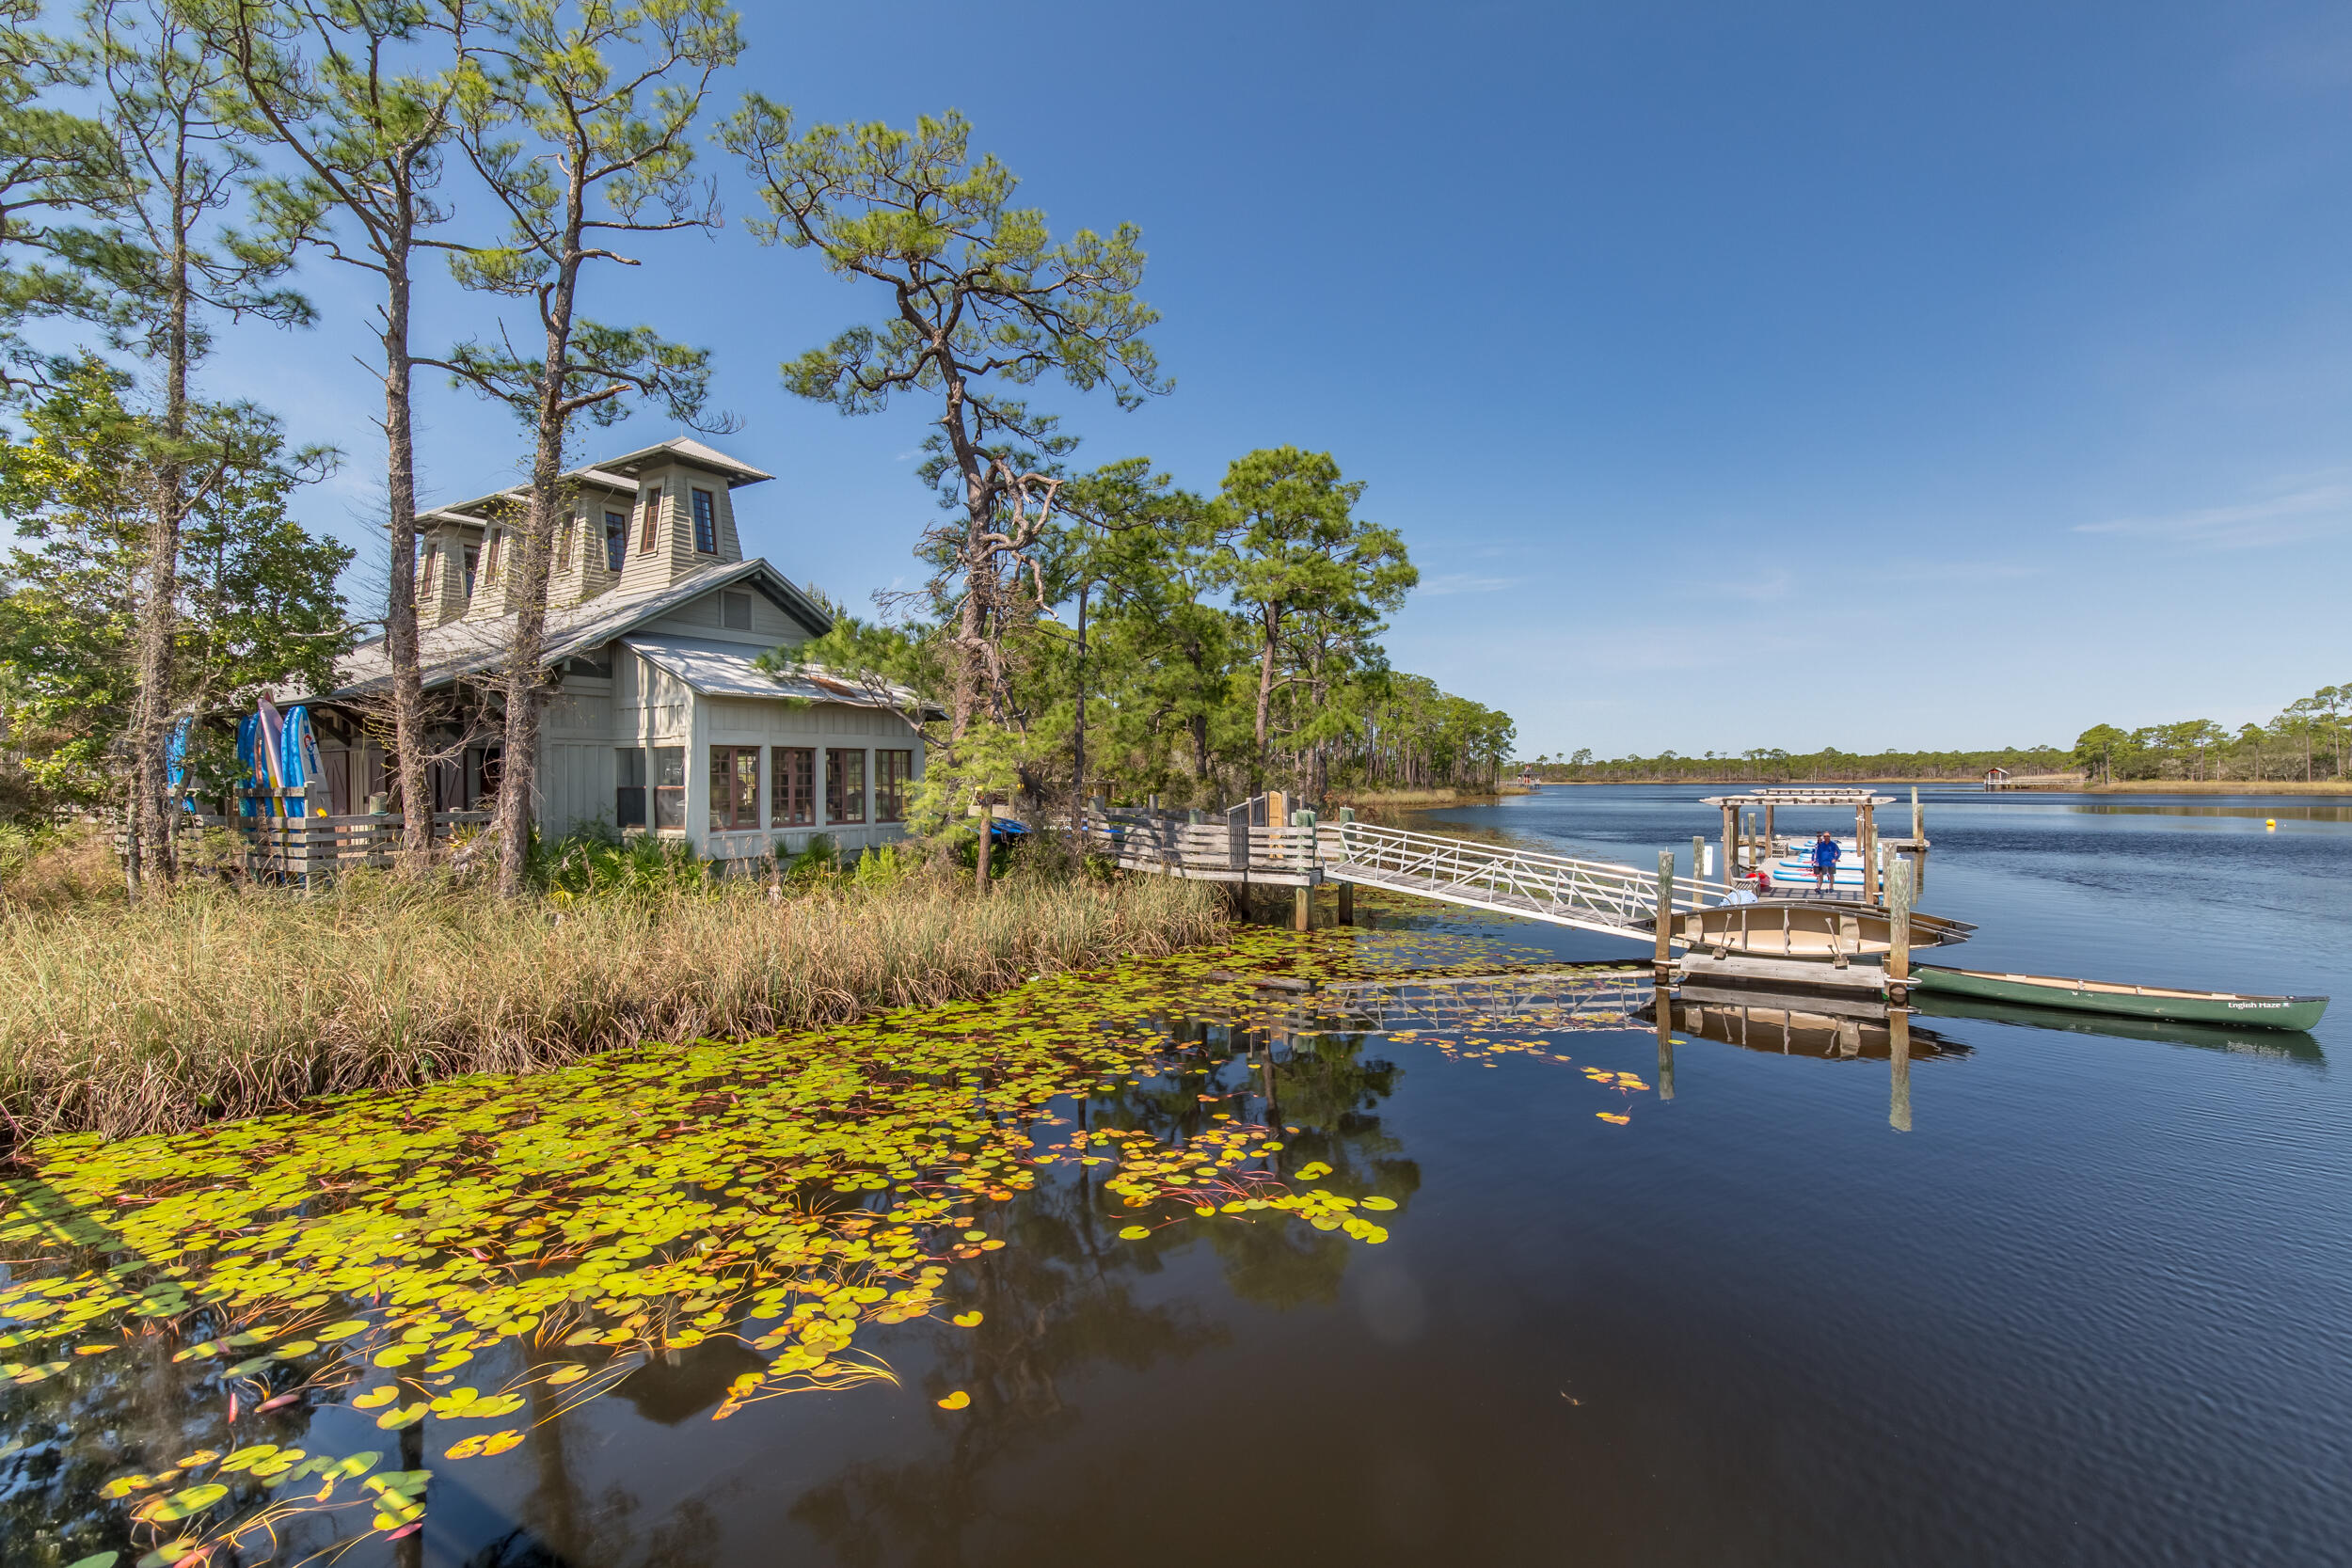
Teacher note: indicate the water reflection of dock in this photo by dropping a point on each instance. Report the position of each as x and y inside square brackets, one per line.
[1567, 998]
[1826, 1028]
[1832, 1028]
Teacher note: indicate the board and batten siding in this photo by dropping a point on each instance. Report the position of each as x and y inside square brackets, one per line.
[651, 706]
[744, 720]
[706, 617]
[576, 784]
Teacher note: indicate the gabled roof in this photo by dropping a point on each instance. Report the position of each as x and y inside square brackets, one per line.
[716, 669]
[620, 473]
[471, 648]
[686, 449]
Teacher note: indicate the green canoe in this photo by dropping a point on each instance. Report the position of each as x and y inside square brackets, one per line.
[2107, 996]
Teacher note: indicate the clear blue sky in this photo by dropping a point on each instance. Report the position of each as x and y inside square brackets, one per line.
[1739, 375]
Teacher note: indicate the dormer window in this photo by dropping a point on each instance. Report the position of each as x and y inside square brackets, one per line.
[473, 561]
[653, 520]
[615, 540]
[424, 578]
[706, 524]
[490, 567]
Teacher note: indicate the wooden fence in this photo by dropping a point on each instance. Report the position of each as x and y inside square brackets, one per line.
[276, 847]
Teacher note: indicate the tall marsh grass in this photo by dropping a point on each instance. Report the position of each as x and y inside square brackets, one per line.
[225, 1003]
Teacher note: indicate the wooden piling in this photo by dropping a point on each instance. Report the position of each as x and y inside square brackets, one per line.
[1302, 908]
[1698, 857]
[1899, 933]
[1662, 962]
[1665, 1051]
[1919, 845]
[1348, 903]
[1731, 840]
[1872, 892]
[1899, 1077]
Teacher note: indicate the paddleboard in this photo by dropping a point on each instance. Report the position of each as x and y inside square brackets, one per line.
[176, 763]
[273, 739]
[250, 755]
[300, 764]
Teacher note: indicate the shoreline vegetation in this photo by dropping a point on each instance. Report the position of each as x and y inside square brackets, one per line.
[223, 1003]
[2303, 750]
[2050, 784]
[1375, 800]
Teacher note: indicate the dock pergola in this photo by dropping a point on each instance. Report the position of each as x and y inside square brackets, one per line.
[1863, 803]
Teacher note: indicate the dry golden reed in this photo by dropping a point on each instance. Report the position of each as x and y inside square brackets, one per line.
[135, 1019]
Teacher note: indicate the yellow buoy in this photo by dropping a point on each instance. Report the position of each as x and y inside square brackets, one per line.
[2270, 824]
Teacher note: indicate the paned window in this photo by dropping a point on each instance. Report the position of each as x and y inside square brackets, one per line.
[653, 521]
[892, 772]
[629, 792]
[473, 561]
[706, 524]
[792, 802]
[615, 540]
[845, 787]
[734, 788]
[490, 566]
[482, 774]
[669, 786]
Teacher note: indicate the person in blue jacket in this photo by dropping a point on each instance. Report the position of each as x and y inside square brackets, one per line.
[1824, 863]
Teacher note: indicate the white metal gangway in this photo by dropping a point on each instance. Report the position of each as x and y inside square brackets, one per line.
[1593, 895]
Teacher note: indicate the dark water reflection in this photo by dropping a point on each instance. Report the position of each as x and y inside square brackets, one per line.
[2091, 1306]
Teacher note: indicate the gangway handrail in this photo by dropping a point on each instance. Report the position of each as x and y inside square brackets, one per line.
[1597, 895]
[1402, 852]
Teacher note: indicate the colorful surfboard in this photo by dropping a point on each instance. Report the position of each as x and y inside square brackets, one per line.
[271, 746]
[301, 764]
[250, 753]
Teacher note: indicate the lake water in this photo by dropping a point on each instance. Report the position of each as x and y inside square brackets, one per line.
[2094, 1306]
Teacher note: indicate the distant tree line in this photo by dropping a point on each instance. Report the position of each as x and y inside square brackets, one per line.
[2307, 740]
[2304, 741]
[1763, 764]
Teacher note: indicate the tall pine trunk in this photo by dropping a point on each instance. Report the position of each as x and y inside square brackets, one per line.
[400, 609]
[1272, 627]
[149, 862]
[518, 765]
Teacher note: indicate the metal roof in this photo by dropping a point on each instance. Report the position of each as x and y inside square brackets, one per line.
[1822, 796]
[471, 648]
[716, 669]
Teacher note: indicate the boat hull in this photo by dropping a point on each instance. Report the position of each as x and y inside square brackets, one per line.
[1805, 930]
[2043, 991]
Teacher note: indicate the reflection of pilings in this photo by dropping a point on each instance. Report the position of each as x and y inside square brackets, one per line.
[1536, 1002]
[1899, 1055]
[1665, 1053]
[408, 1552]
